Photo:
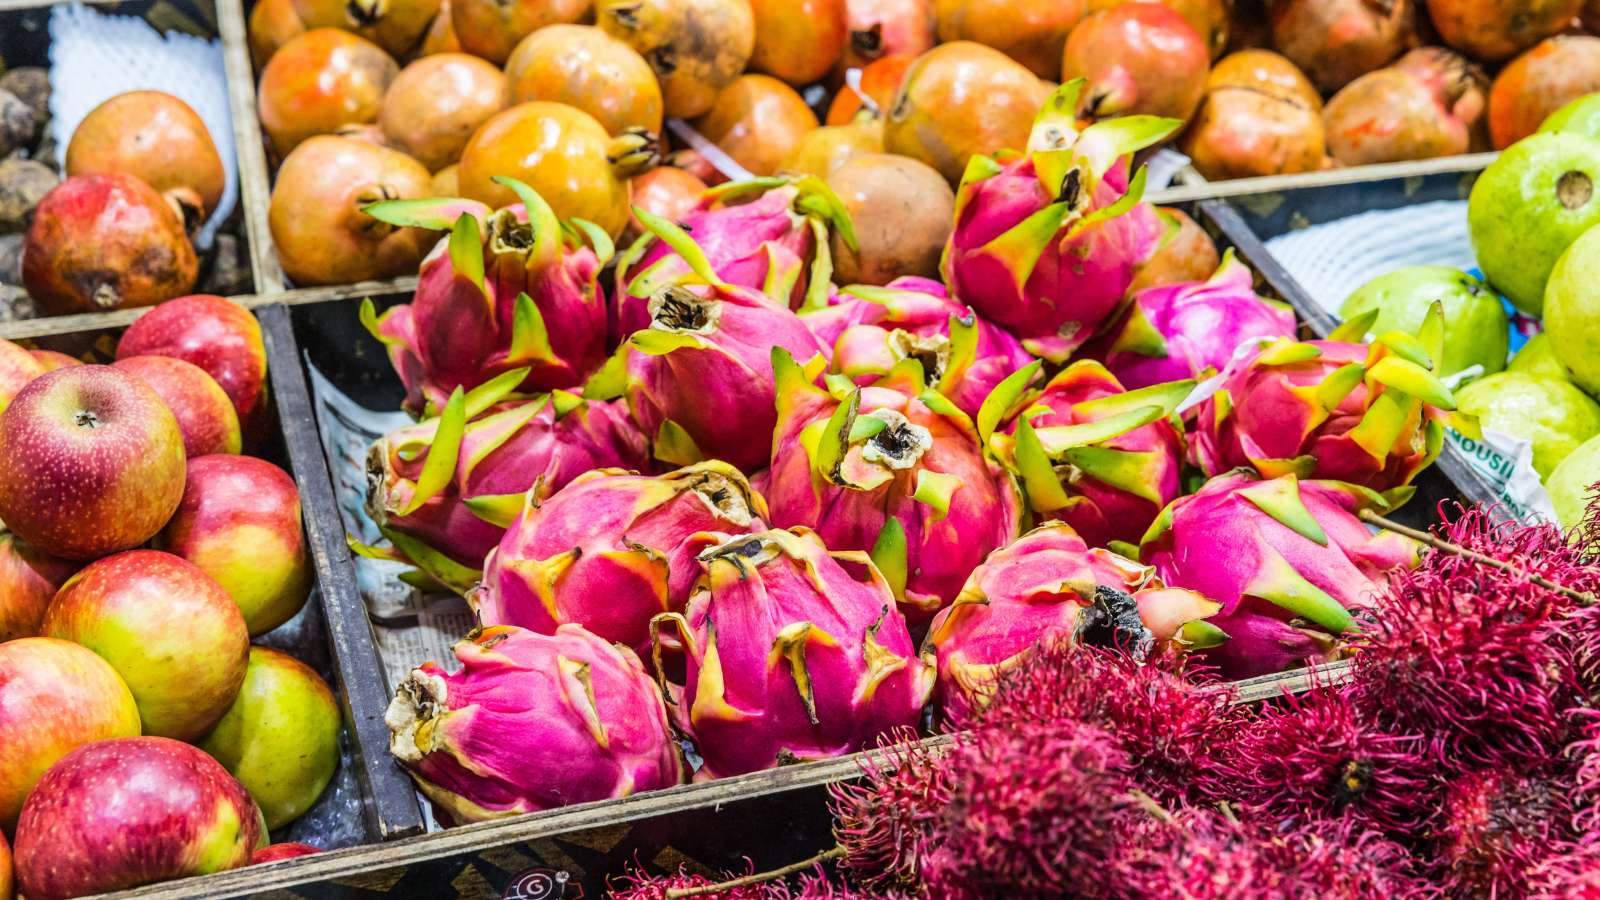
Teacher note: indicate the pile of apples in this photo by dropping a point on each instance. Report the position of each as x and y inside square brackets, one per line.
[142, 737]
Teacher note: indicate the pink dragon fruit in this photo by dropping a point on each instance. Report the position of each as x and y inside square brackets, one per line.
[1102, 459]
[1190, 329]
[894, 468]
[443, 490]
[485, 303]
[872, 328]
[531, 722]
[1046, 245]
[792, 653]
[1287, 559]
[612, 549]
[766, 234]
[1049, 585]
[1372, 415]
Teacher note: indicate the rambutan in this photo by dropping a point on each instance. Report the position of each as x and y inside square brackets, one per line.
[885, 822]
[817, 886]
[1497, 827]
[639, 884]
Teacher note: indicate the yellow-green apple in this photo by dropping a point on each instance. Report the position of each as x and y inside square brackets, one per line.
[17, 368]
[169, 630]
[53, 360]
[54, 697]
[215, 334]
[240, 522]
[91, 462]
[28, 579]
[281, 736]
[274, 853]
[205, 415]
[132, 811]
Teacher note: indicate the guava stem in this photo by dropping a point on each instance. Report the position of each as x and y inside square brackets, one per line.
[1439, 543]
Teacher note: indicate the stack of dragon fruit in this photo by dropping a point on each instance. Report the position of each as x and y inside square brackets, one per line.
[702, 497]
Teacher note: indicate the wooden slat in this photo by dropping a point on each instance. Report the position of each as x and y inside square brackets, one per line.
[255, 187]
[1241, 187]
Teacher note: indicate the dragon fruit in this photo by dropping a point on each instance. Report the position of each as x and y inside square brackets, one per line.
[1372, 415]
[1287, 559]
[1045, 586]
[894, 468]
[766, 234]
[872, 328]
[531, 722]
[792, 653]
[612, 549]
[488, 294]
[1102, 459]
[1046, 245]
[1191, 329]
[443, 490]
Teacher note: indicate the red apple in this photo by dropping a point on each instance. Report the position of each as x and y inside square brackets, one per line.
[240, 522]
[17, 368]
[205, 415]
[54, 697]
[28, 579]
[91, 462]
[122, 813]
[273, 853]
[215, 334]
[171, 632]
[53, 360]
[7, 887]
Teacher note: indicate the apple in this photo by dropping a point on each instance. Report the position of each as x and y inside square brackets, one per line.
[281, 736]
[215, 334]
[240, 522]
[52, 360]
[272, 853]
[171, 632]
[54, 697]
[205, 415]
[91, 462]
[17, 368]
[28, 579]
[122, 813]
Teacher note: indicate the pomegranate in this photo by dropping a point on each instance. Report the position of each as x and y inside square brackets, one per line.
[321, 80]
[445, 183]
[1186, 253]
[371, 133]
[561, 152]
[436, 103]
[1208, 18]
[959, 99]
[156, 137]
[441, 34]
[1139, 58]
[759, 121]
[1030, 32]
[1249, 27]
[798, 41]
[1499, 29]
[879, 81]
[902, 211]
[696, 47]
[1425, 105]
[104, 242]
[1334, 41]
[321, 233]
[492, 28]
[1265, 71]
[395, 25]
[1259, 117]
[1539, 82]
[880, 28]
[697, 165]
[273, 23]
[825, 149]
[1590, 16]
[582, 66]
[668, 192]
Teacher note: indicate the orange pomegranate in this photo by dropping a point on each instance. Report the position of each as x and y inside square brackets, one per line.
[1335, 41]
[1539, 82]
[395, 25]
[273, 23]
[1138, 58]
[156, 137]
[902, 211]
[561, 152]
[441, 34]
[437, 102]
[695, 164]
[321, 80]
[959, 99]
[1499, 29]
[1265, 71]
[370, 132]
[797, 40]
[1208, 18]
[445, 182]
[1186, 253]
[1030, 32]
[315, 214]
[582, 66]
[696, 47]
[759, 121]
[825, 149]
[879, 80]
[492, 28]
[668, 192]
[1428, 104]
[1256, 119]
[880, 28]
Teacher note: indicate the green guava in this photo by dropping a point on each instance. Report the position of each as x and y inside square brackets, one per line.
[1537, 357]
[1572, 310]
[1474, 321]
[1568, 485]
[1550, 413]
[1580, 116]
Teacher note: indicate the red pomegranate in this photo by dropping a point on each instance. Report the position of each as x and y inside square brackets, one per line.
[668, 192]
[319, 81]
[798, 41]
[1499, 29]
[1139, 58]
[1335, 41]
[156, 137]
[1427, 104]
[759, 121]
[879, 81]
[1186, 253]
[1208, 18]
[1260, 117]
[1539, 82]
[880, 28]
